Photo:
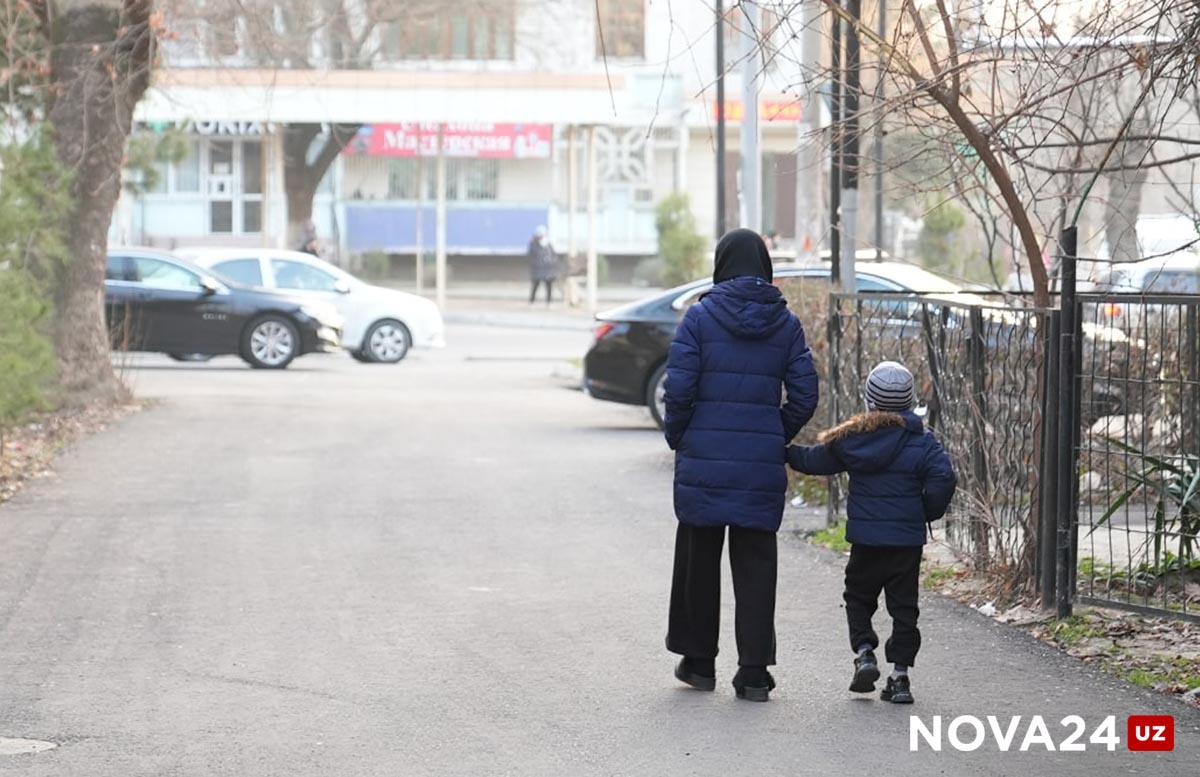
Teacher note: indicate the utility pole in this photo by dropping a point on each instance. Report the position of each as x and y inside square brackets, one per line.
[593, 261]
[835, 152]
[883, 35]
[751, 156]
[809, 156]
[420, 268]
[441, 218]
[572, 192]
[852, 161]
[720, 28]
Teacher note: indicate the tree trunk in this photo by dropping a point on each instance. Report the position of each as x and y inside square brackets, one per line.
[303, 170]
[300, 190]
[1121, 211]
[100, 62]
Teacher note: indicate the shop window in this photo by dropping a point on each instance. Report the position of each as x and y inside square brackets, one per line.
[220, 217]
[466, 179]
[187, 170]
[160, 178]
[252, 216]
[220, 157]
[480, 177]
[621, 31]
[252, 169]
[402, 179]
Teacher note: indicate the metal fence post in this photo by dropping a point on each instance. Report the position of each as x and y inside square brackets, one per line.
[1064, 542]
[833, 332]
[978, 366]
[1190, 404]
[1048, 465]
[935, 373]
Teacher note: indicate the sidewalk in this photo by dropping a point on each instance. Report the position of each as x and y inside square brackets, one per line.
[507, 305]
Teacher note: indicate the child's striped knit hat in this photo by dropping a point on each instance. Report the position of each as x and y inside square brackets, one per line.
[890, 388]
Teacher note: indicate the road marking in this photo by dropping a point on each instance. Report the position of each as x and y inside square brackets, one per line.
[23, 746]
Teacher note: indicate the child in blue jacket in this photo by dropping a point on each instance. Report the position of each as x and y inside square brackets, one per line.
[900, 481]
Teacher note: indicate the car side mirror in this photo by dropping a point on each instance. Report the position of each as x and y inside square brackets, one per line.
[209, 285]
[341, 287]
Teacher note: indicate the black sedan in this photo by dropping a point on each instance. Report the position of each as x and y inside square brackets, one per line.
[158, 302]
[627, 362]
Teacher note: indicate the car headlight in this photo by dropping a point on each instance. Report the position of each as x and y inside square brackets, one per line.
[326, 314]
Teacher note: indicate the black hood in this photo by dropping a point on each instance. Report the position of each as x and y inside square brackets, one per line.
[742, 252]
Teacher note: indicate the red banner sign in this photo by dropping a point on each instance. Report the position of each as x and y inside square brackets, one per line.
[467, 140]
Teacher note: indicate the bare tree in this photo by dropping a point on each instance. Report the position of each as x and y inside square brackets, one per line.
[326, 35]
[1028, 105]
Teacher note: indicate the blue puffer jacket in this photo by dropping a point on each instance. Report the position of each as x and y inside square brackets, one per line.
[733, 354]
[900, 476]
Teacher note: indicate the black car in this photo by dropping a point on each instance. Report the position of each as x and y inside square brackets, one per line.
[628, 360]
[158, 302]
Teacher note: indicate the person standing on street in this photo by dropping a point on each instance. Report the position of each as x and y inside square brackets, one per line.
[543, 264]
[734, 353]
[901, 480]
[310, 243]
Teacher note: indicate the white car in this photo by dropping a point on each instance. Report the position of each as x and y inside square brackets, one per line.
[381, 323]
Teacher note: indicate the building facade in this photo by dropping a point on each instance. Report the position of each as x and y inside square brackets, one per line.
[518, 88]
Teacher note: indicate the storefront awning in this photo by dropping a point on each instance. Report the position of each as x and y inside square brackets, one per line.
[388, 96]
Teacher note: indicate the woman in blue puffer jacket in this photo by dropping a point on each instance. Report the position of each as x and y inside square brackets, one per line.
[735, 353]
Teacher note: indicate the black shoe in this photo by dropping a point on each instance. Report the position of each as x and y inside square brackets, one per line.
[753, 683]
[866, 672]
[688, 674]
[897, 690]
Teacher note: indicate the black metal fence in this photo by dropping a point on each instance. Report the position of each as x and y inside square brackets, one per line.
[1138, 514]
[990, 377]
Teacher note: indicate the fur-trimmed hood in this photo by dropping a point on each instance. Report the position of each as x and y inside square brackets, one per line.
[871, 441]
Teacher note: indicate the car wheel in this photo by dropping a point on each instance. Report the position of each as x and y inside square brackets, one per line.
[359, 356]
[190, 357]
[655, 394]
[387, 341]
[270, 343]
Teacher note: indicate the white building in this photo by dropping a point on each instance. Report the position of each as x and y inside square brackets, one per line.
[516, 88]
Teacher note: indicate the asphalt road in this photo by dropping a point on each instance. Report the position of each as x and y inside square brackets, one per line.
[454, 566]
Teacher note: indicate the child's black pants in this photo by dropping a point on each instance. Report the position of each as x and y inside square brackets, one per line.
[895, 571]
[695, 615]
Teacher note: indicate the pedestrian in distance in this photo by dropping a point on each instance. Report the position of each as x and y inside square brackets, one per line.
[901, 481]
[310, 243]
[543, 264]
[734, 353]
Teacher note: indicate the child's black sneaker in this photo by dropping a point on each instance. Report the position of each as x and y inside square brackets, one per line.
[753, 683]
[866, 672]
[697, 673]
[897, 690]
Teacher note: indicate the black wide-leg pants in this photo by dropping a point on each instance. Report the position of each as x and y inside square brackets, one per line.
[695, 614]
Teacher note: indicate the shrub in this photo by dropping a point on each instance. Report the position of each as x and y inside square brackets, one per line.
[34, 201]
[680, 246]
[376, 265]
